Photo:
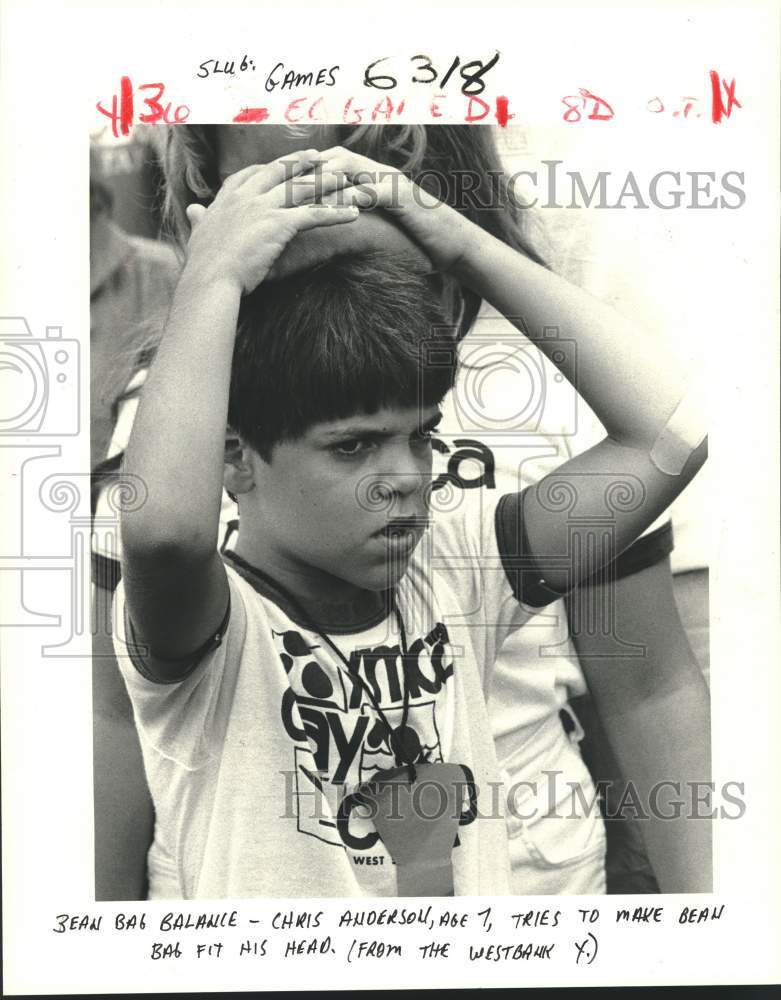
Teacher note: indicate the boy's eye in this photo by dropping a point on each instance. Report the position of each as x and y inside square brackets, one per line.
[425, 437]
[352, 447]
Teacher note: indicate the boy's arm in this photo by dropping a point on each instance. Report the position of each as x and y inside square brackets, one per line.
[633, 391]
[655, 711]
[175, 584]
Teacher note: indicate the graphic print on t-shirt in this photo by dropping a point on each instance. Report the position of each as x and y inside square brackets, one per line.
[340, 740]
[376, 754]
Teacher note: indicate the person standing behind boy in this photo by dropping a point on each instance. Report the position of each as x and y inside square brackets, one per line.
[131, 280]
[316, 494]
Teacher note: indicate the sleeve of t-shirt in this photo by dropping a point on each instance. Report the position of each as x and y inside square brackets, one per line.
[523, 574]
[182, 719]
[528, 583]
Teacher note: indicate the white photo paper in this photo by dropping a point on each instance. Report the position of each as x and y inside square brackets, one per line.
[179, 822]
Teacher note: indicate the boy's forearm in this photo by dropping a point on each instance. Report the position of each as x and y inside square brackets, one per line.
[177, 444]
[534, 299]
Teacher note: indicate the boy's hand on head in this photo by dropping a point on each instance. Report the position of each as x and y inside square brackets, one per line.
[372, 231]
[438, 229]
[256, 214]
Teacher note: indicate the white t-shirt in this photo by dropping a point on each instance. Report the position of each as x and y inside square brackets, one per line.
[250, 759]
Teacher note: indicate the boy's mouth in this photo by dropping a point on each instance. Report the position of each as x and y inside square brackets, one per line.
[401, 535]
[401, 526]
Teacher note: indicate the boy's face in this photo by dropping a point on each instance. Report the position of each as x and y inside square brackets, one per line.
[343, 506]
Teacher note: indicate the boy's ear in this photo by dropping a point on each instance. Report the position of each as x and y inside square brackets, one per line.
[237, 475]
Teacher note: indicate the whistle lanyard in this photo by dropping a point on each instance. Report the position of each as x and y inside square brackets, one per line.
[394, 738]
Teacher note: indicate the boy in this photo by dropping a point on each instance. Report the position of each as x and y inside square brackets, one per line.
[340, 646]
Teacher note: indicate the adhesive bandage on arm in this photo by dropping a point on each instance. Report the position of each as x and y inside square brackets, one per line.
[682, 435]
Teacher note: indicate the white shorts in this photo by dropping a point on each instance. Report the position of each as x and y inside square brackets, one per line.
[554, 824]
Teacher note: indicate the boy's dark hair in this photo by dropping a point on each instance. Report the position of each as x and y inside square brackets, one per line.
[346, 337]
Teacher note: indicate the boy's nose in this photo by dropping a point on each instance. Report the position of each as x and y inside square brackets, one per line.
[412, 486]
[397, 493]
[400, 484]
[407, 469]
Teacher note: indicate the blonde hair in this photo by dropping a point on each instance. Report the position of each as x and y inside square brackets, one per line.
[436, 156]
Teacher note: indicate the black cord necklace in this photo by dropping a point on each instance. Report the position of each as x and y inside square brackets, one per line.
[394, 738]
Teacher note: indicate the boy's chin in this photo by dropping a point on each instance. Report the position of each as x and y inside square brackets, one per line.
[384, 577]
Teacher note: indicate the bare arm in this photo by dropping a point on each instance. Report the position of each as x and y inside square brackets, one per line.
[175, 585]
[633, 390]
[655, 711]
